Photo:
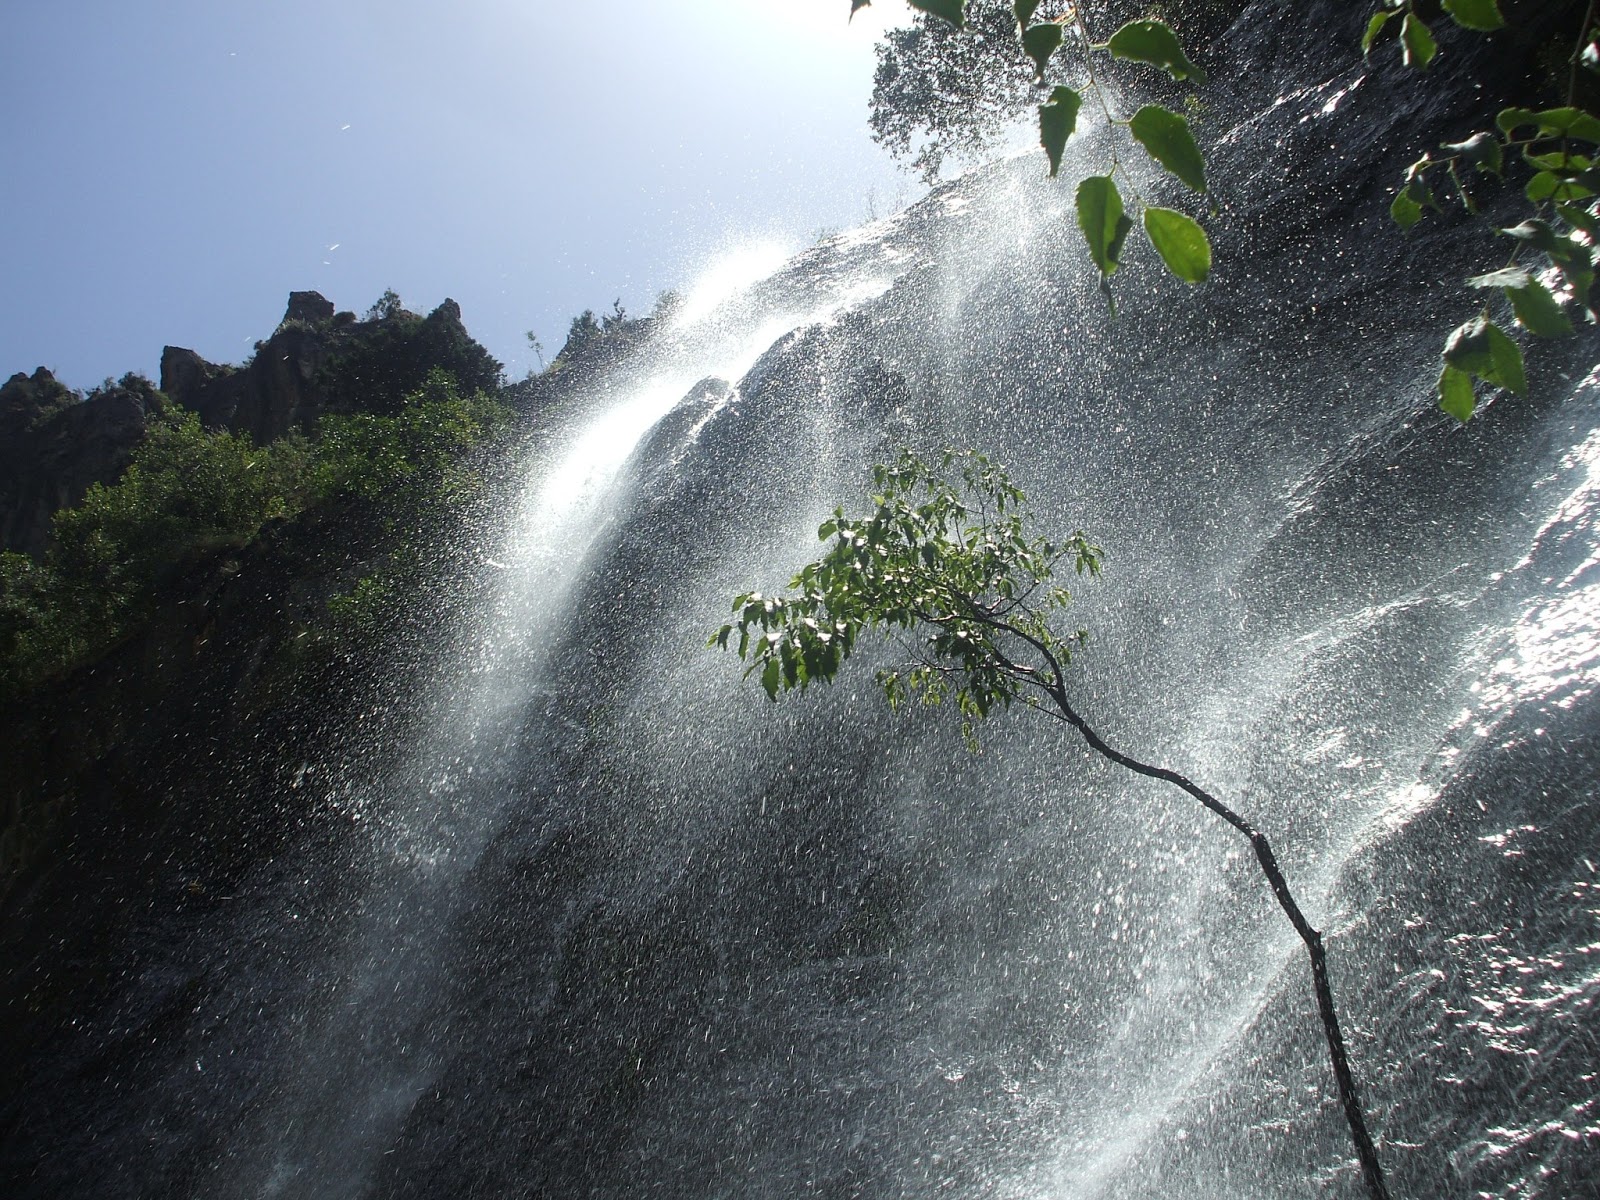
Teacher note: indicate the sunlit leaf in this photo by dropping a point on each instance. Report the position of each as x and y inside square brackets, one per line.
[1404, 210]
[1467, 348]
[1417, 38]
[954, 11]
[1480, 15]
[1181, 242]
[1104, 223]
[1509, 371]
[1153, 42]
[1455, 394]
[1057, 121]
[1165, 135]
[1579, 217]
[1537, 310]
[1039, 42]
[1482, 348]
[1551, 123]
[1482, 150]
[1375, 27]
[1547, 185]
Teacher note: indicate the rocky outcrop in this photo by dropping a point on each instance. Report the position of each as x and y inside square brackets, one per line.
[320, 360]
[54, 447]
[275, 392]
[54, 444]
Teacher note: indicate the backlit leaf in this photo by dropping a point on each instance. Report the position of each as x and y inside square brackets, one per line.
[1417, 38]
[1481, 15]
[954, 11]
[1104, 223]
[1552, 123]
[1455, 394]
[1509, 371]
[1405, 211]
[1579, 217]
[1057, 121]
[1375, 27]
[1547, 185]
[1181, 242]
[1154, 42]
[1537, 310]
[1166, 136]
[1039, 42]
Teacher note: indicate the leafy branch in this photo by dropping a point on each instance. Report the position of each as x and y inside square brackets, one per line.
[946, 566]
[1556, 147]
[1164, 135]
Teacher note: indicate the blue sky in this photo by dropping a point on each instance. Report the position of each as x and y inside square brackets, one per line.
[176, 167]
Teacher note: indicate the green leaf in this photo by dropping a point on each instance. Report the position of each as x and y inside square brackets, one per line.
[1039, 42]
[1535, 232]
[1537, 310]
[1467, 348]
[1547, 185]
[1480, 15]
[1153, 42]
[1509, 371]
[954, 11]
[1405, 211]
[1482, 348]
[1565, 165]
[1375, 27]
[771, 677]
[1552, 123]
[1105, 226]
[1482, 150]
[1455, 394]
[1579, 217]
[1024, 10]
[1166, 136]
[1181, 242]
[1417, 38]
[1057, 121]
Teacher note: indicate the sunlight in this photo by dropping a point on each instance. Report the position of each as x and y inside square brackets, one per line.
[727, 276]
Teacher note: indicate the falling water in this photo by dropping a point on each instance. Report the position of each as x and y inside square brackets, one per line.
[614, 926]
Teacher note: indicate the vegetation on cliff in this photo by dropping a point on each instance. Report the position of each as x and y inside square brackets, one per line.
[191, 493]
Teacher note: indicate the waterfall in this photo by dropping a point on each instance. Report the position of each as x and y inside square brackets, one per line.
[613, 925]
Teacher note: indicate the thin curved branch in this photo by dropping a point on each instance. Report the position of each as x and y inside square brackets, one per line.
[1355, 1115]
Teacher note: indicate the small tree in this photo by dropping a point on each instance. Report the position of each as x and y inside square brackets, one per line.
[946, 557]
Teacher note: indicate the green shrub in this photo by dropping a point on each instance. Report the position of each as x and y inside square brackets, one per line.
[412, 458]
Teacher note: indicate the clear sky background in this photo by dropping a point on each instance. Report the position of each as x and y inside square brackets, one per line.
[174, 168]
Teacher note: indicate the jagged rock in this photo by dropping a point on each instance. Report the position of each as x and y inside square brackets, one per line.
[26, 400]
[310, 307]
[53, 445]
[50, 462]
[184, 373]
[275, 393]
